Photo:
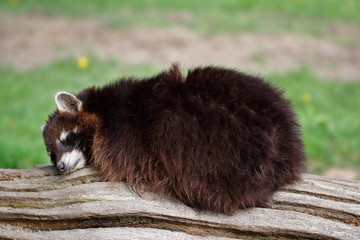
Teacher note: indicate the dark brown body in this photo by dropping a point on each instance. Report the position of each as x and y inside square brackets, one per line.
[218, 140]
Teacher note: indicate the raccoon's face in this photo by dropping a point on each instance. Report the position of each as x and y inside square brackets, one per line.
[68, 140]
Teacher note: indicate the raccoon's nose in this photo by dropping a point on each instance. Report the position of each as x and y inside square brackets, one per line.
[61, 167]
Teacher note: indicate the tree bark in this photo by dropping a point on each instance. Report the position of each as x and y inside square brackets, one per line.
[40, 204]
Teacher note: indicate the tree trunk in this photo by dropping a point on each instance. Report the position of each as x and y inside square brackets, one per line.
[39, 204]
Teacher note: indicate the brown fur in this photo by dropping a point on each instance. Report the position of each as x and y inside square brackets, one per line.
[217, 140]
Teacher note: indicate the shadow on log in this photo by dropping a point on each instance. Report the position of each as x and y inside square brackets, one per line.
[39, 204]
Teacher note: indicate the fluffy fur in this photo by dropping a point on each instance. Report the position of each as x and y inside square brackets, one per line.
[217, 139]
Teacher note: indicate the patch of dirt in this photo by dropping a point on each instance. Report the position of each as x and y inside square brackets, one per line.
[34, 40]
[341, 173]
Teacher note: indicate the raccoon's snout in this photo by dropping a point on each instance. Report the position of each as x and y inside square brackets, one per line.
[71, 161]
[61, 168]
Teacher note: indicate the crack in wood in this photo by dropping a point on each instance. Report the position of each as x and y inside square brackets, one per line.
[323, 196]
[327, 213]
[36, 204]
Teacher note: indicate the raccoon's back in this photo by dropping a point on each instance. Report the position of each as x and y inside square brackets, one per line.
[225, 140]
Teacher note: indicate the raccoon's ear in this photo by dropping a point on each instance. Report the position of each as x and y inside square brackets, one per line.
[43, 127]
[66, 102]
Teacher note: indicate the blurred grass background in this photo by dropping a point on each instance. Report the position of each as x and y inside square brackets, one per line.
[329, 111]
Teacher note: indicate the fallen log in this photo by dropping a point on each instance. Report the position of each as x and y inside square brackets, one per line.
[40, 204]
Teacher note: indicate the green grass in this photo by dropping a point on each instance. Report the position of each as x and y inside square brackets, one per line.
[329, 121]
[324, 9]
[213, 16]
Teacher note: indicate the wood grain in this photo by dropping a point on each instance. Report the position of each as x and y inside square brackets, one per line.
[39, 204]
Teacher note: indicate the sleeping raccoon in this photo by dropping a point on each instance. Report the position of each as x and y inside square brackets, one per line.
[217, 139]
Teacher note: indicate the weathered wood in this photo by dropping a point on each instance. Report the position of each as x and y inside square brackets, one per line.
[80, 205]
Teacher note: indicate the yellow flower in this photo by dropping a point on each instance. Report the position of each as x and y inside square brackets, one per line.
[83, 62]
[306, 98]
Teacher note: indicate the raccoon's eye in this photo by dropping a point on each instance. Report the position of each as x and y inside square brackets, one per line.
[71, 139]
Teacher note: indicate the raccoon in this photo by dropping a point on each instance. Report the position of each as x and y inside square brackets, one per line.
[216, 139]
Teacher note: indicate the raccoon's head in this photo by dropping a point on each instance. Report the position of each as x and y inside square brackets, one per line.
[69, 133]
